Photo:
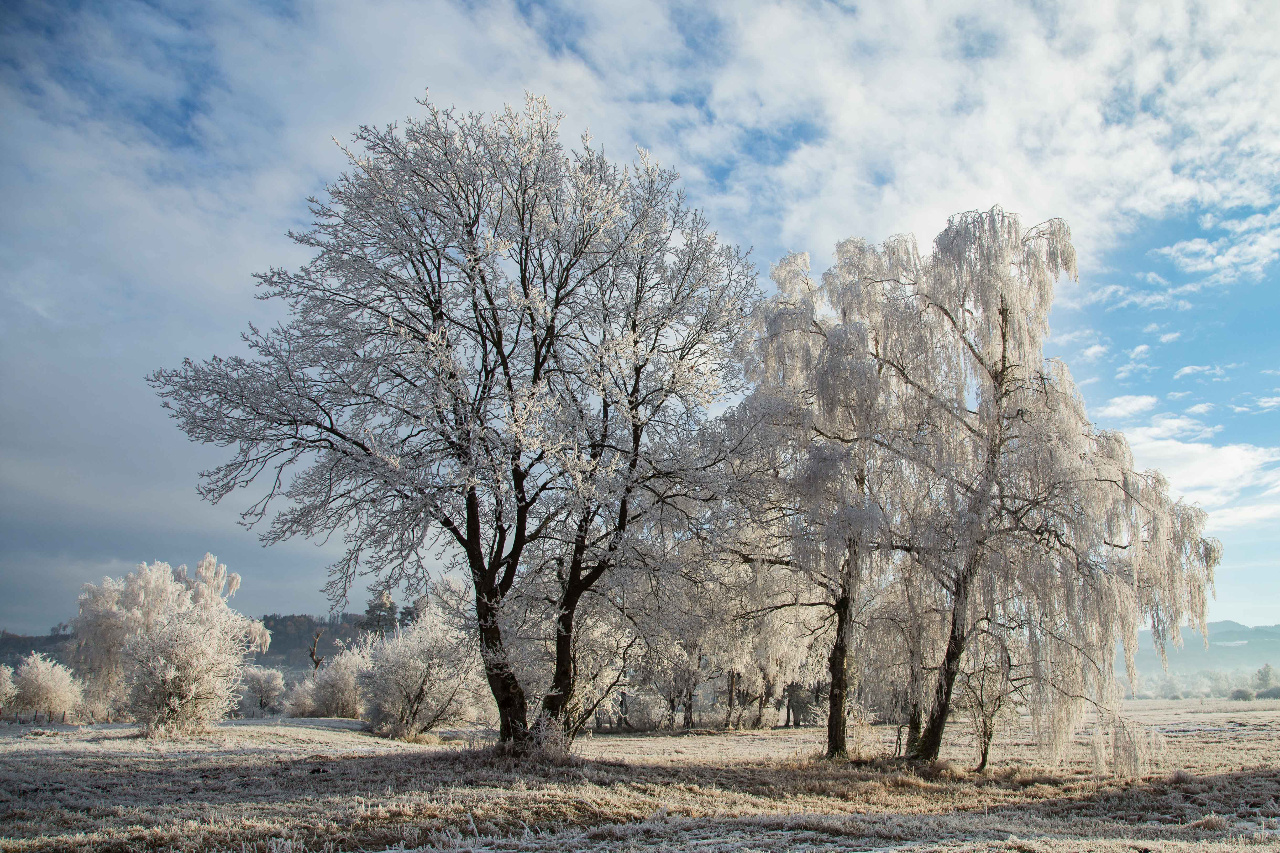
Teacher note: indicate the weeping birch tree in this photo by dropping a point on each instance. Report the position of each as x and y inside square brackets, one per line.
[1011, 513]
[495, 342]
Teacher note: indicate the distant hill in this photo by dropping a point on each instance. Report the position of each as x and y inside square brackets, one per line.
[1231, 647]
[14, 647]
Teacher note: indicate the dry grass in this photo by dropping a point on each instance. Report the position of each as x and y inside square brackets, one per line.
[323, 785]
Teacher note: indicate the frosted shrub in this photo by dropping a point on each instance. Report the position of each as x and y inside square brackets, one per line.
[185, 674]
[333, 690]
[183, 652]
[164, 645]
[300, 698]
[263, 690]
[416, 678]
[41, 684]
[7, 690]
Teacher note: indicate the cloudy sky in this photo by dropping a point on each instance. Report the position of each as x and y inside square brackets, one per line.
[154, 154]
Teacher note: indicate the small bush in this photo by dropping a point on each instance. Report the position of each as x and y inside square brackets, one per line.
[7, 690]
[185, 673]
[1269, 693]
[41, 684]
[333, 690]
[415, 679]
[263, 690]
[1242, 694]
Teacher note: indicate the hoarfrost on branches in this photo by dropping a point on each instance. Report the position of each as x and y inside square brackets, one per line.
[7, 688]
[419, 677]
[501, 348]
[939, 466]
[184, 671]
[264, 690]
[164, 645]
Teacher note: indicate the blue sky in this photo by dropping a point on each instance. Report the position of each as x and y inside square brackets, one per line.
[154, 154]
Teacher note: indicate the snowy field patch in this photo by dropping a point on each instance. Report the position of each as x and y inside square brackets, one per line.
[294, 785]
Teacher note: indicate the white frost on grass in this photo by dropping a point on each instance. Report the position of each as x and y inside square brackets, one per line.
[260, 785]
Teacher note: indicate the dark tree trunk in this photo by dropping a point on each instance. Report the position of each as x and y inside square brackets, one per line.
[732, 679]
[513, 711]
[688, 707]
[915, 721]
[929, 743]
[838, 669]
[555, 703]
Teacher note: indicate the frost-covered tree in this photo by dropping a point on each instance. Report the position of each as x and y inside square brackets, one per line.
[263, 690]
[499, 346]
[183, 671]
[967, 472]
[116, 611]
[43, 684]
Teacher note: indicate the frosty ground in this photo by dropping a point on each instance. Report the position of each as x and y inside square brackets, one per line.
[290, 785]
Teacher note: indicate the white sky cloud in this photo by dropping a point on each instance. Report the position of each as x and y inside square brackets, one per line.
[1093, 353]
[1211, 475]
[1127, 406]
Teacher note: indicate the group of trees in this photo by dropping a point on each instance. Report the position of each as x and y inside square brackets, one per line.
[546, 370]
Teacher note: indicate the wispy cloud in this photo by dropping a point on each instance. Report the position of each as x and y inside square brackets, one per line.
[1194, 369]
[1093, 353]
[1127, 406]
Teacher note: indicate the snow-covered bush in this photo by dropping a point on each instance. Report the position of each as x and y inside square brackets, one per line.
[416, 678]
[333, 690]
[164, 645]
[263, 690]
[7, 690]
[41, 684]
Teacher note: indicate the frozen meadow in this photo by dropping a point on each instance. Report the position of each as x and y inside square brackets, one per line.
[277, 785]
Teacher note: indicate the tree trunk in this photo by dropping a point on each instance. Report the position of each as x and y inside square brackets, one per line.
[929, 743]
[513, 711]
[984, 747]
[728, 717]
[688, 707]
[915, 721]
[838, 669]
[555, 703]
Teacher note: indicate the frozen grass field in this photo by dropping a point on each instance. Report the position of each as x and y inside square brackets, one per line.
[295, 785]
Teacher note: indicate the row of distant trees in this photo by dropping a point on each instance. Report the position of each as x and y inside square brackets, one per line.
[412, 669]
[545, 367]
[1264, 683]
